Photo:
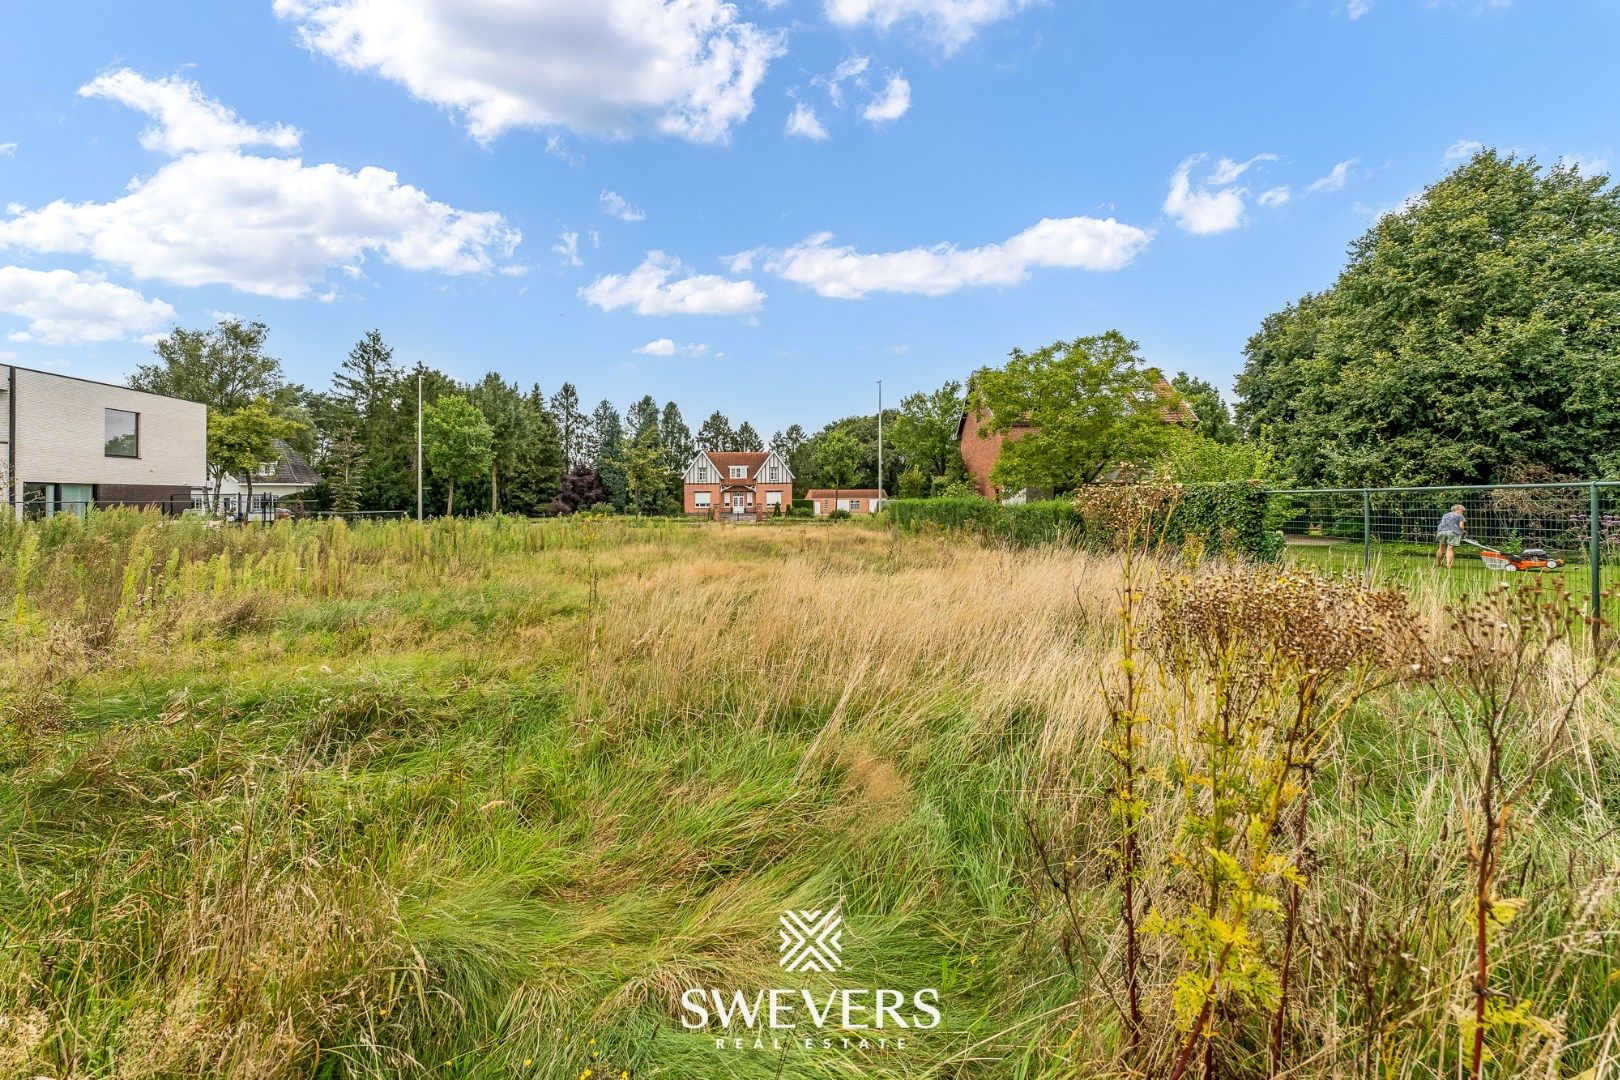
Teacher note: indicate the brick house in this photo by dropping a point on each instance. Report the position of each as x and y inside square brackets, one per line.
[737, 484]
[980, 450]
[855, 500]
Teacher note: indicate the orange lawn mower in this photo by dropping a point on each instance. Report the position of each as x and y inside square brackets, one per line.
[1528, 559]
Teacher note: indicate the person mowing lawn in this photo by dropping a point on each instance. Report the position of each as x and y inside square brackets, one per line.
[1449, 534]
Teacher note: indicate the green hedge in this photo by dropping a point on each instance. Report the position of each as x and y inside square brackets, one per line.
[1050, 521]
[1226, 517]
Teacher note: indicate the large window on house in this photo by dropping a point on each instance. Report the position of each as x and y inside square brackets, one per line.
[123, 433]
[739, 472]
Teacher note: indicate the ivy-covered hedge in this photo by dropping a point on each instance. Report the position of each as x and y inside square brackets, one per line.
[1227, 517]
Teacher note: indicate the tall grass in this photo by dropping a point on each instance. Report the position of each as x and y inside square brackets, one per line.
[479, 799]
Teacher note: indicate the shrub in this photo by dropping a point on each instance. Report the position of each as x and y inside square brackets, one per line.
[838, 515]
[1231, 518]
[803, 506]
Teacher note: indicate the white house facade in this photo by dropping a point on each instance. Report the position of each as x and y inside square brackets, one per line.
[275, 481]
[68, 444]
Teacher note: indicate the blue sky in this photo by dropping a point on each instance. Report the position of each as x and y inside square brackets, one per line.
[811, 194]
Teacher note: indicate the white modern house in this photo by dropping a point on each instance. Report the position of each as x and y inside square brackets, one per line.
[68, 444]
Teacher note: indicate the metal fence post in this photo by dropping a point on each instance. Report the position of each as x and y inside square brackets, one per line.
[1595, 555]
[1366, 538]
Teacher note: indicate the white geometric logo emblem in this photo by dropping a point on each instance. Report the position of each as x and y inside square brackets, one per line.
[811, 940]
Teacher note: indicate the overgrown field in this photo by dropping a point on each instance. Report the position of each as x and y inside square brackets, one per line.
[484, 799]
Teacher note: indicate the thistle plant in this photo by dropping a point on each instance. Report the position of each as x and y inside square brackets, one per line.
[1264, 666]
[1136, 516]
[1493, 664]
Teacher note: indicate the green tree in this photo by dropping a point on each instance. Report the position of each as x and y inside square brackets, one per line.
[225, 367]
[341, 467]
[1474, 333]
[607, 433]
[1214, 418]
[924, 430]
[716, 433]
[646, 479]
[747, 439]
[537, 470]
[458, 442]
[507, 413]
[838, 456]
[573, 426]
[913, 484]
[1090, 404]
[241, 440]
[641, 419]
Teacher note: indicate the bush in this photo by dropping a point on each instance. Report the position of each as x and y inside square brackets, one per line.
[1229, 517]
[803, 506]
[838, 515]
[1051, 521]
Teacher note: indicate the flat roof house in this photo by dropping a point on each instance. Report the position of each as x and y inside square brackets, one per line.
[68, 444]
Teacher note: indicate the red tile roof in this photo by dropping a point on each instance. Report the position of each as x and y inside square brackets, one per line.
[724, 460]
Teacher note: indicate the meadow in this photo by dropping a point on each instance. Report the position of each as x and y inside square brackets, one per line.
[485, 798]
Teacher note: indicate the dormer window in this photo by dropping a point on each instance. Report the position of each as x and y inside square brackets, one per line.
[739, 472]
[265, 470]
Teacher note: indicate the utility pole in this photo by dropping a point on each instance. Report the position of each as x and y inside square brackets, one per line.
[418, 442]
[880, 443]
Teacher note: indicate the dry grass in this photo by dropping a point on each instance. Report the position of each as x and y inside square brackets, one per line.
[437, 802]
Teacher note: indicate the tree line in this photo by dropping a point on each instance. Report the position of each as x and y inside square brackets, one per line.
[491, 445]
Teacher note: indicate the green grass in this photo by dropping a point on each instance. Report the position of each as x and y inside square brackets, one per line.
[482, 799]
[1411, 567]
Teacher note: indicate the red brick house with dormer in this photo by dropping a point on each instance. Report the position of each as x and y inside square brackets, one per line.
[738, 484]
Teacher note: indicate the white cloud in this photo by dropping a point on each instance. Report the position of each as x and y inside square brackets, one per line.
[7, 149]
[1227, 171]
[567, 246]
[950, 23]
[186, 118]
[846, 274]
[1333, 181]
[687, 68]
[666, 347]
[615, 205]
[1463, 149]
[262, 225]
[851, 70]
[1355, 9]
[64, 307]
[1273, 197]
[653, 289]
[1203, 210]
[804, 122]
[891, 104]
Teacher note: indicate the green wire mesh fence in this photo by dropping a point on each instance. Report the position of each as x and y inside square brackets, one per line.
[1576, 525]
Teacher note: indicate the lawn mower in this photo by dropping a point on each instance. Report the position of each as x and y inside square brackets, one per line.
[1528, 559]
